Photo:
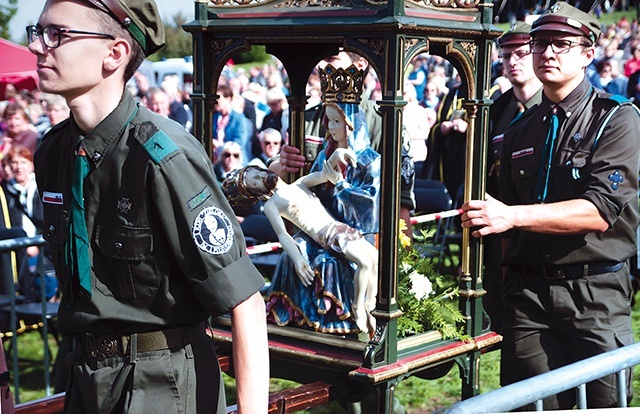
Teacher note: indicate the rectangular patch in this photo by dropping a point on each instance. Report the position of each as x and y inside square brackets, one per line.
[522, 153]
[197, 200]
[159, 146]
[52, 198]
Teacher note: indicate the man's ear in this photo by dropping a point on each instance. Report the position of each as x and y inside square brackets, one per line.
[118, 55]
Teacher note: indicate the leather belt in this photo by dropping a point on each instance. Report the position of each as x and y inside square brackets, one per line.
[574, 271]
[106, 346]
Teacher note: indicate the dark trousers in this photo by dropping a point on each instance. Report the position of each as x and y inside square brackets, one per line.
[552, 323]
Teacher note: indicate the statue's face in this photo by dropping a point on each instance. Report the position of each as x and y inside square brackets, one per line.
[336, 125]
[259, 181]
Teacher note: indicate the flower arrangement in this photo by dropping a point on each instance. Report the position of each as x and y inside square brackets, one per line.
[425, 302]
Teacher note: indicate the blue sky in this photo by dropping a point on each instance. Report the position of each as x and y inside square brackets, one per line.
[29, 10]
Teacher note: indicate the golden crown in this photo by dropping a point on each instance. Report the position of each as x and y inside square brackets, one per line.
[341, 85]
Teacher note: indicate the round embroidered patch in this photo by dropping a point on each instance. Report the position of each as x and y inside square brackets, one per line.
[212, 231]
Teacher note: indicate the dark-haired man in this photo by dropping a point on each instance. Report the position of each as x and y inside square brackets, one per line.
[569, 210]
[128, 199]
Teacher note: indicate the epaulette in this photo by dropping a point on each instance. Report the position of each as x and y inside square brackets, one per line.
[156, 142]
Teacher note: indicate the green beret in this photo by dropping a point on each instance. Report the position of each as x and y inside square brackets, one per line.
[519, 34]
[562, 17]
[140, 18]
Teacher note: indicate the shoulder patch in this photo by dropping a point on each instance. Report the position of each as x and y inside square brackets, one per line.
[159, 145]
[212, 231]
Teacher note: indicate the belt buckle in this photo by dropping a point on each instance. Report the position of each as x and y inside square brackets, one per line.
[106, 346]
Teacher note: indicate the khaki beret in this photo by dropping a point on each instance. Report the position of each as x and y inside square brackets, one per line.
[562, 17]
[140, 18]
[519, 34]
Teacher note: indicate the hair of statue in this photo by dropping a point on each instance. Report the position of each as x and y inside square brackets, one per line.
[236, 191]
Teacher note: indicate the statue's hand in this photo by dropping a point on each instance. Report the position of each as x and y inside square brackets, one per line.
[334, 176]
[305, 273]
[344, 156]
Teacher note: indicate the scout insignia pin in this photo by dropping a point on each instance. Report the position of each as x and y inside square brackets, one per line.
[124, 205]
[616, 178]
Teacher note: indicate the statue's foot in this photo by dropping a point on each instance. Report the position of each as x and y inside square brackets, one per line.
[360, 316]
[371, 324]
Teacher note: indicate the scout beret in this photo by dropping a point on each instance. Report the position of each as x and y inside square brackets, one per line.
[562, 17]
[140, 18]
[518, 34]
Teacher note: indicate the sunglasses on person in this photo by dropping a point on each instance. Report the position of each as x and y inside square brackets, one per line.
[268, 143]
[229, 154]
[52, 35]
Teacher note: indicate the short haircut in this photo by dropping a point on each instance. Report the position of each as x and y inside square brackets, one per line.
[19, 151]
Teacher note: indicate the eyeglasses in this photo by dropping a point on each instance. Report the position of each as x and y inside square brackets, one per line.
[267, 143]
[558, 46]
[519, 54]
[228, 154]
[52, 35]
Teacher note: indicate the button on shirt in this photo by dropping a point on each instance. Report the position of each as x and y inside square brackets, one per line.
[603, 171]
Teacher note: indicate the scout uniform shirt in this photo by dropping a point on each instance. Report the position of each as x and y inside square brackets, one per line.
[165, 247]
[594, 159]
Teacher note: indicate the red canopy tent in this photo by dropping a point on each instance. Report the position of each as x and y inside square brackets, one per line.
[17, 66]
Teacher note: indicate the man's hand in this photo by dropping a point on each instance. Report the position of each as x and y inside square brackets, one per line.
[290, 159]
[487, 217]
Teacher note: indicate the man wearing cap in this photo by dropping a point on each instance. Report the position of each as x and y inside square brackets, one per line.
[569, 210]
[526, 92]
[143, 240]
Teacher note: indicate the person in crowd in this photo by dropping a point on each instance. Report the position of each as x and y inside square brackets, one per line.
[447, 142]
[278, 116]
[20, 130]
[229, 124]
[632, 65]
[417, 121]
[230, 159]
[158, 101]
[431, 96]
[270, 144]
[152, 249]
[526, 92]
[604, 78]
[56, 108]
[568, 211]
[178, 111]
[418, 77]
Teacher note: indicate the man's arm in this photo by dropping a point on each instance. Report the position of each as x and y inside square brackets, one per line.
[251, 354]
[563, 217]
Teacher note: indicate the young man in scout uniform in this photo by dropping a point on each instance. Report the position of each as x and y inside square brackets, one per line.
[569, 210]
[146, 246]
[526, 91]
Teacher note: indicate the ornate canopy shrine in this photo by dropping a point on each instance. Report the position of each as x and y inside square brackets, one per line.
[388, 34]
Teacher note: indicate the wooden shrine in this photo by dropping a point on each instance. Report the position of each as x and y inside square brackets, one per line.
[388, 34]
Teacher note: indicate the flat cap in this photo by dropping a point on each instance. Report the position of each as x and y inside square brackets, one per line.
[562, 17]
[140, 18]
[519, 34]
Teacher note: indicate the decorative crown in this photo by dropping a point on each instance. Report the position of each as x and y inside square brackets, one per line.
[341, 85]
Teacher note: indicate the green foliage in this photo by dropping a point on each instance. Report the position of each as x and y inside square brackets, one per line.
[256, 54]
[178, 42]
[426, 302]
[8, 9]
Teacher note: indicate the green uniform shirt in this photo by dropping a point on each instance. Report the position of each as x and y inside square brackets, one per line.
[595, 158]
[166, 249]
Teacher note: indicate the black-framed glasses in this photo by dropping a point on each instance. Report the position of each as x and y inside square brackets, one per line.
[52, 35]
[519, 54]
[229, 154]
[558, 46]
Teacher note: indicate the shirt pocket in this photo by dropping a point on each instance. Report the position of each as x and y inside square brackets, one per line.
[569, 174]
[524, 173]
[124, 263]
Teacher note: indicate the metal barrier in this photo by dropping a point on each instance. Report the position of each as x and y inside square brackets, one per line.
[10, 245]
[576, 375]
